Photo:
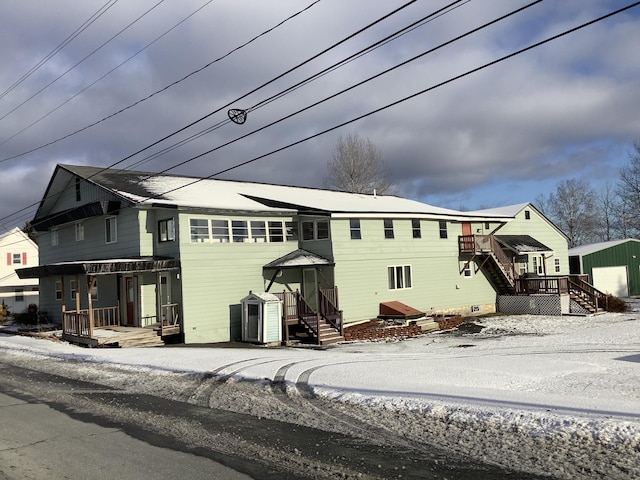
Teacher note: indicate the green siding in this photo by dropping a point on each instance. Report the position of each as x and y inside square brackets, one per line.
[627, 254]
[437, 285]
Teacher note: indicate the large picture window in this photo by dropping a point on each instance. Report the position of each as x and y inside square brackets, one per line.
[399, 277]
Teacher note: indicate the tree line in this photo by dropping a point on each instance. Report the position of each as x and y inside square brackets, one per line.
[588, 215]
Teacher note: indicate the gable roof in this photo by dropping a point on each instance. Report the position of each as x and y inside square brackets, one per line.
[152, 189]
[16, 235]
[596, 247]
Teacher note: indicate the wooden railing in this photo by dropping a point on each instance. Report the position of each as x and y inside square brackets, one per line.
[76, 322]
[578, 286]
[327, 303]
[308, 316]
[170, 314]
[487, 244]
[542, 285]
[289, 305]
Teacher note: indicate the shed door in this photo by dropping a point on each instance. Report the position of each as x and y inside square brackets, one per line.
[613, 280]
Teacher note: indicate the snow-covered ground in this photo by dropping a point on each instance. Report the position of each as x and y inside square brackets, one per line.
[557, 396]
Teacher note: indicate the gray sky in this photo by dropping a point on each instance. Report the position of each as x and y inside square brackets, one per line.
[500, 136]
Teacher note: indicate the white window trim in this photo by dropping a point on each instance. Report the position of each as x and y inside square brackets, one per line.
[79, 230]
[281, 227]
[55, 237]
[113, 238]
[469, 268]
[404, 279]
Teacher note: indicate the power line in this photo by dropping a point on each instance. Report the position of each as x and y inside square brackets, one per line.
[87, 23]
[91, 85]
[81, 61]
[269, 30]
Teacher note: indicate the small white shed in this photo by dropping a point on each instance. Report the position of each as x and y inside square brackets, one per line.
[261, 318]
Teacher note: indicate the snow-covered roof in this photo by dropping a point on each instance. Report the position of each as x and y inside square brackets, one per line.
[506, 211]
[298, 258]
[146, 188]
[596, 247]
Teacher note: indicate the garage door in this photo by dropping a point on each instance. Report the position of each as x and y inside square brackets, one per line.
[611, 280]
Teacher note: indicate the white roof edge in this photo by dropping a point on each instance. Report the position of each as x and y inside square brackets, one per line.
[596, 247]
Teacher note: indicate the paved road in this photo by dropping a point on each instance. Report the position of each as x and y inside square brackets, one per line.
[55, 427]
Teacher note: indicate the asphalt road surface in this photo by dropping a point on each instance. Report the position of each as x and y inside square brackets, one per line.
[56, 427]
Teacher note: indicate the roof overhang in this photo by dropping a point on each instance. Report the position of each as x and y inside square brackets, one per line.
[522, 244]
[297, 259]
[100, 267]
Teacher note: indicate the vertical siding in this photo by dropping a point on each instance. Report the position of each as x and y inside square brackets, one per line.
[627, 253]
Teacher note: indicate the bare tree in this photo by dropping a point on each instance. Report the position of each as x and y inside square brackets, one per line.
[629, 193]
[357, 166]
[573, 209]
[609, 205]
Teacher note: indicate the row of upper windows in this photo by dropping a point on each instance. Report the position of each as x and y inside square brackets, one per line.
[416, 230]
[203, 230]
[110, 232]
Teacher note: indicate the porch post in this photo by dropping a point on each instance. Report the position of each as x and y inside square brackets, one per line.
[77, 295]
[90, 284]
[159, 317]
[63, 307]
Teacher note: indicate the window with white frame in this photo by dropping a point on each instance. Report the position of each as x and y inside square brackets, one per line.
[17, 258]
[399, 277]
[167, 230]
[276, 231]
[111, 229]
[415, 228]
[54, 237]
[79, 228]
[388, 228]
[72, 289]
[220, 231]
[354, 229]
[240, 231]
[58, 289]
[199, 230]
[466, 269]
[258, 231]
[556, 265]
[292, 231]
[94, 290]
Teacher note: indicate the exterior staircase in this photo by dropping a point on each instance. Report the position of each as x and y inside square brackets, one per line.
[489, 256]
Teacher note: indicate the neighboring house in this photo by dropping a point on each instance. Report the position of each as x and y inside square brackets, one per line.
[139, 248]
[613, 267]
[17, 250]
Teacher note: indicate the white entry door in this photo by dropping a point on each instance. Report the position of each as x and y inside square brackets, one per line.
[613, 280]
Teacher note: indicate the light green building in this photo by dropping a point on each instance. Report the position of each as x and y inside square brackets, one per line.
[143, 249]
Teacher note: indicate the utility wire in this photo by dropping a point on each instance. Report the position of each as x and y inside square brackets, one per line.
[91, 85]
[239, 98]
[81, 61]
[101, 11]
[399, 33]
[269, 30]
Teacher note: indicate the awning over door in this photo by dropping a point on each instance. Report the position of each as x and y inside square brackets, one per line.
[100, 267]
[521, 244]
[297, 259]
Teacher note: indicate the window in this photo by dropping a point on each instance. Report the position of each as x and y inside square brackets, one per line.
[415, 227]
[527, 215]
[399, 277]
[292, 231]
[58, 289]
[465, 269]
[315, 230]
[17, 259]
[78, 196]
[54, 237]
[487, 225]
[556, 265]
[199, 230]
[354, 227]
[167, 230]
[72, 289]
[220, 231]
[79, 231]
[258, 231]
[388, 228]
[443, 228]
[19, 294]
[111, 230]
[276, 232]
[240, 231]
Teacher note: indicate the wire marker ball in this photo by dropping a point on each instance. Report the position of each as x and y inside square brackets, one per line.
[237, 115]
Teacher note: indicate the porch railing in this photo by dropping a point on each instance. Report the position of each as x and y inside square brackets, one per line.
[581, 288]
[76, 322]
[170, 314]
[542, 285]
[487, 245]
[308, 316]
[327, 303]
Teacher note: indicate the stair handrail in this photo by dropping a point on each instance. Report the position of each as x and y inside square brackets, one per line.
[503, 260]
[305, 312]
[587, 291]
[329, 312]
